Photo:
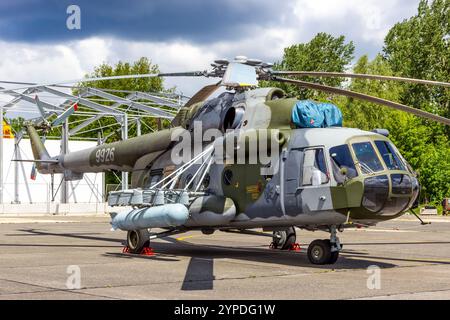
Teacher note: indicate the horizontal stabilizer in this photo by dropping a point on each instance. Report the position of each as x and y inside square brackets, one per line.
[38, 161]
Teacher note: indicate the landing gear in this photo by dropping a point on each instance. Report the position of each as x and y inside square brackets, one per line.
[319, 252]
[284, 239]
[325, 251]
[137, 240]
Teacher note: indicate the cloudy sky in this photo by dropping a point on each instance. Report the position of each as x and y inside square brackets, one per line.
[37, 46]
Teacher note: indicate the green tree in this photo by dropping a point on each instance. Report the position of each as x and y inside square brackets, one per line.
[141, 66]
[428, 155]
[323, 53]
[419, 47]
[16, 124]
[364, 115]
[108, 124]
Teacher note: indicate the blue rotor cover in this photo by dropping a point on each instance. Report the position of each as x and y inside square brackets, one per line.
[312, 114]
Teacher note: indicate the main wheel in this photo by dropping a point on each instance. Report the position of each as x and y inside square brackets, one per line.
[284, 239]
[137, 240]
[319, 252]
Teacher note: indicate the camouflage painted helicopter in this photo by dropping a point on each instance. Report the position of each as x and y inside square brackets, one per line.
[324, 177]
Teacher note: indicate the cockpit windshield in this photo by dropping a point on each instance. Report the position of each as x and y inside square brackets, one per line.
[390, 156]
[367, 158]
[343, 163]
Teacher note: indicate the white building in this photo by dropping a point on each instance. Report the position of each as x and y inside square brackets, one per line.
[35, 196]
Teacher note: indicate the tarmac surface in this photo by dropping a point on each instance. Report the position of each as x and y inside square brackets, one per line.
[40, 257]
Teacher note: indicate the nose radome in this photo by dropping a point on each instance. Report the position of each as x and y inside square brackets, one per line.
[376, 192]
[391, 194]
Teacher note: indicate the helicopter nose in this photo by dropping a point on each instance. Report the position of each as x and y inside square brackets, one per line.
[389, 194]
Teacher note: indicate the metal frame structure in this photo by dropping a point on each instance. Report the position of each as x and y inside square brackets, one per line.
[100, 103]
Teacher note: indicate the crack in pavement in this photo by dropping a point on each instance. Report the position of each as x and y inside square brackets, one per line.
[48, 289]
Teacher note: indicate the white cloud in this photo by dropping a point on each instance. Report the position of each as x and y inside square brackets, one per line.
[365, 22]
[36, 63]
[91, 52]
[29, 63]
[367, 18]
[266, 44]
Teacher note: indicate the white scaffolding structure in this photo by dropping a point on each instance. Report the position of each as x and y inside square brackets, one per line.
[127, 111]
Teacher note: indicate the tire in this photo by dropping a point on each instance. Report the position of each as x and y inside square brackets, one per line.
[288, 238]
[137, 240]
[319, 252]
[334, 257]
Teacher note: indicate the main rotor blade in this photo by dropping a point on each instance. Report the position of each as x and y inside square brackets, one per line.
[365, 97]
[128, 76]
[360, 76]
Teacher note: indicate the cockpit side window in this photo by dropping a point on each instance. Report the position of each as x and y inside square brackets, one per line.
[367, 158]
[342, 163]
[314, 168]
[402, 159]
[390, 157]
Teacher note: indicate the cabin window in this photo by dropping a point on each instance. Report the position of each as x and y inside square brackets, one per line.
[390, 157]
[314, 168]
[342, 163]
[367, 158]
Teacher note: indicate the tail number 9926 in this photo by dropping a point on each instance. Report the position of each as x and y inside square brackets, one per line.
[104, 155]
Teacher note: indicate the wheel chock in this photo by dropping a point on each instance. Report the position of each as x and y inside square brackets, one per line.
[147, 251]
[295, 247]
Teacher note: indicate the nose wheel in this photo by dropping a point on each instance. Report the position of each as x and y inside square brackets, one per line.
[325, 251]
[319, 252]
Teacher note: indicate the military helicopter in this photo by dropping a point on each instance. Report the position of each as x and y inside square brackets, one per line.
[318, 175]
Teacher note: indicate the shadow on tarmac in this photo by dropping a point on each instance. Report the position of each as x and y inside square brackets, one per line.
[200, 271]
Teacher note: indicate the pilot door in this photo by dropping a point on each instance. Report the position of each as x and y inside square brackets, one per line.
[306, 181]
